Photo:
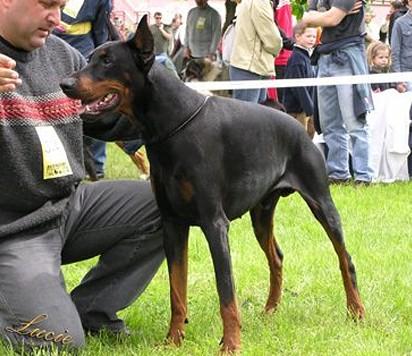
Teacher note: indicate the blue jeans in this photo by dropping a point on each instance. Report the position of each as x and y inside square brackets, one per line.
[98, 149]
[339, 124]
[251, 95]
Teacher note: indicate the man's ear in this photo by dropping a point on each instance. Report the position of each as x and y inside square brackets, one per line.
[143, 43]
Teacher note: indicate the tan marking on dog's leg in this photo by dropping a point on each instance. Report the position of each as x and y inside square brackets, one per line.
[354, 302]
[263, 227]
[178, 299]
[231, 328]
[140, 160]
[275, 266]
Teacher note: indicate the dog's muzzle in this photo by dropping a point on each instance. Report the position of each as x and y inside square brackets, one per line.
[68, 86]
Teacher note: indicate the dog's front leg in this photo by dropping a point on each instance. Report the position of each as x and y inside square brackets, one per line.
[216, 232]
[176, 244]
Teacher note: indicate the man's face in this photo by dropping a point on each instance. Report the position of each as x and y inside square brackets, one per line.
[201, 3]
[26, 24]
[158, 19]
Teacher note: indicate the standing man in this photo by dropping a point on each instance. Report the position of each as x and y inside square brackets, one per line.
[162, 36]
[84, 25]
[203, 31]
[47, 217]
[342, 108]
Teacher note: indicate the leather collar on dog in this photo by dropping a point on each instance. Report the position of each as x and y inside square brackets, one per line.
[160, 139]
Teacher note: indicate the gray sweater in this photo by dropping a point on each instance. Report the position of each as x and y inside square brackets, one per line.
[40, 139]
[203, 31]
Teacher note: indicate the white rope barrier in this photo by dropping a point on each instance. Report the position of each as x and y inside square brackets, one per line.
[305, 82]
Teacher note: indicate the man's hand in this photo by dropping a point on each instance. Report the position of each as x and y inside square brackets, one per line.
[401, 87]
[187, 53]
[356, 7]
[9, 78]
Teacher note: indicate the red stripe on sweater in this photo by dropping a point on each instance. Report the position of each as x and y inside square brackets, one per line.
[50, 110]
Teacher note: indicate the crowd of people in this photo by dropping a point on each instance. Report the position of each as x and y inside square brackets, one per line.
[330, 40]
[47, 218]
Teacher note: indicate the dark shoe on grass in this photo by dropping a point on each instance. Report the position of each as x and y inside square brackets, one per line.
[362, 183]
[338, 181]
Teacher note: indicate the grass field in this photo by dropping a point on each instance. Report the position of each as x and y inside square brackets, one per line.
[311, 319]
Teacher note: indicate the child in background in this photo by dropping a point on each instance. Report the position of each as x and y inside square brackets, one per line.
[379, 61]
[299, 101]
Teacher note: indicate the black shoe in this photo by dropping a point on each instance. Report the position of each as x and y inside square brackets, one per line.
[98, 176]
[362, 183]
[337, 181]
[112, 333]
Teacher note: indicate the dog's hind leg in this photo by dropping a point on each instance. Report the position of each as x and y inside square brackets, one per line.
[318, 197]
[262, 220]
[176, 246]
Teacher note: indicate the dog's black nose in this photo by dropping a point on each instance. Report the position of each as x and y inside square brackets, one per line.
[68, 85]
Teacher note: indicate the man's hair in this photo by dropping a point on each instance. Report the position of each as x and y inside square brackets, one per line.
[398, 4]
[157, 13]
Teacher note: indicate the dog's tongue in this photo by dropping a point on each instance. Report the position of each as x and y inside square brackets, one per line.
[99, 105]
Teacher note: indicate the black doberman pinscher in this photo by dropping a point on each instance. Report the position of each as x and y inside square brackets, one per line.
[212, 160]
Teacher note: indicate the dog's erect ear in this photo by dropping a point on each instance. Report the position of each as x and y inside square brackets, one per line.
[144, 44]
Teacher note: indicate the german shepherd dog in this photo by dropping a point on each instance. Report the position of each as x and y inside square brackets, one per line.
[212, 160]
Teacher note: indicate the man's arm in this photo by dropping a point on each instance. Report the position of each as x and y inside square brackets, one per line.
[100, 27]
[166, 34]
[396, 45]
[216, 31]
[268, 32]
[331, 17]
[9, 78]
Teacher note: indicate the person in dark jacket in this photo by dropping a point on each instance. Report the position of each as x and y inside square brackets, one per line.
[398, 8]
[84, 25]
[299, 101]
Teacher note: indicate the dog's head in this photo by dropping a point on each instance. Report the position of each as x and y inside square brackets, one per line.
[201, 70]
[114, 68]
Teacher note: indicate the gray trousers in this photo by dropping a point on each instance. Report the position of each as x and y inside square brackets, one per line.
[116, 220]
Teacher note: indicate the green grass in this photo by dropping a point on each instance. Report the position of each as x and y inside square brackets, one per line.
[311, 319]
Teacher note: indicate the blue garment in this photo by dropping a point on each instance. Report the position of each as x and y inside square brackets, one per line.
[251, 95]
[165, 60]
[298, 100]
[93, 14]
[98, 149]
[96, 13]
[346, 51]
[401, 44]
[338, 119]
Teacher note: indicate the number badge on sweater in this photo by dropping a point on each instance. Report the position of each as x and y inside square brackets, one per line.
[55, 162]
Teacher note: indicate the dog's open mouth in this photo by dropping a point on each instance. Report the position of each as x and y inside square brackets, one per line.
[107, 103]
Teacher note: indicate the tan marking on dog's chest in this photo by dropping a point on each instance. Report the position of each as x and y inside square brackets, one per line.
[186, 190]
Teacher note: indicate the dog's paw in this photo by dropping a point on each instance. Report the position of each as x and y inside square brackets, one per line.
[229, 348]
[356, 312]
[175, 337]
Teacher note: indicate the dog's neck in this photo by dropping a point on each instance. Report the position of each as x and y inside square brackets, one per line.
[167, 104]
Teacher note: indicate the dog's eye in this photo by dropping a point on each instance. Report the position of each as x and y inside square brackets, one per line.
[107, 61]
